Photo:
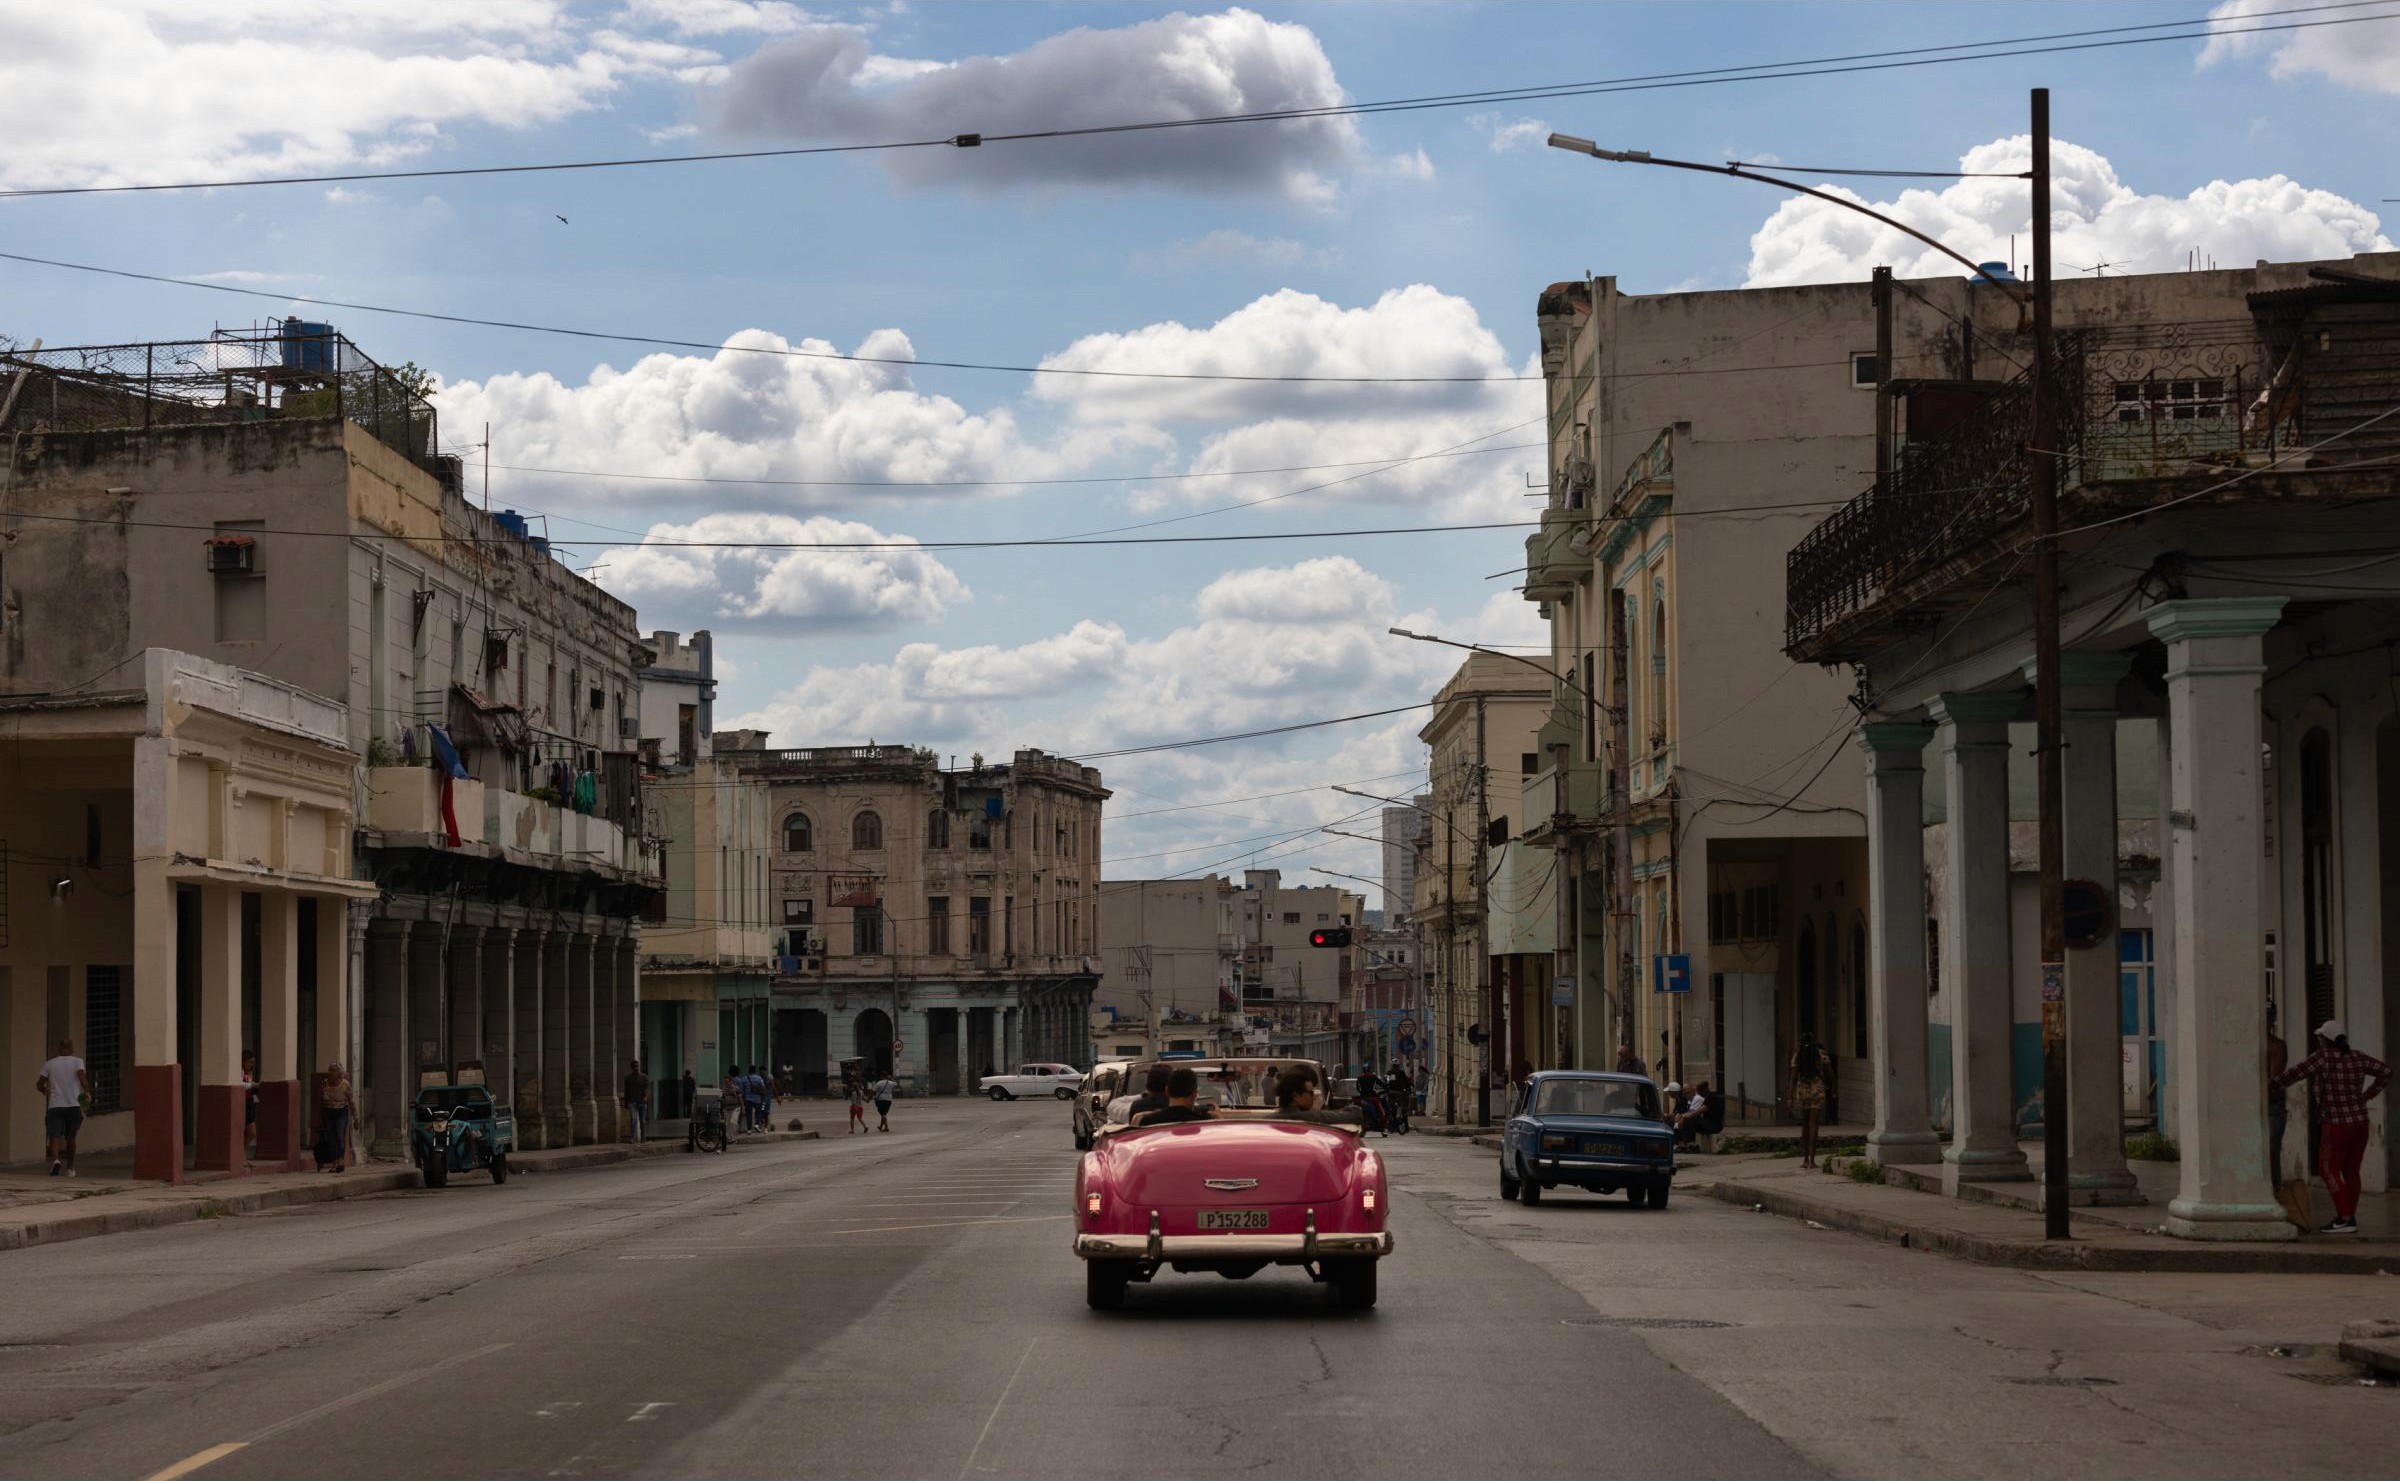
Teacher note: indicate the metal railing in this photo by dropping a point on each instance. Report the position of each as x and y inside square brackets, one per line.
[2135, 403]
[287, 370]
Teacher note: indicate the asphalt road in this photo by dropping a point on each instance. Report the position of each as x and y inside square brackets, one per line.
[900, 1306]
[880, 1307]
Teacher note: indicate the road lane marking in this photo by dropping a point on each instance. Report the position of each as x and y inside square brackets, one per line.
[950, 1224]
[372, 1390]
[191, 1463]
[988, 1420]
[644, 1413]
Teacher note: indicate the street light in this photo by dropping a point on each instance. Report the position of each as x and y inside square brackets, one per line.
[2040, 454]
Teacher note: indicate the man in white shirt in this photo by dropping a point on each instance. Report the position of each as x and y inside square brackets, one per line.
[884, 1090]
[61, 1084]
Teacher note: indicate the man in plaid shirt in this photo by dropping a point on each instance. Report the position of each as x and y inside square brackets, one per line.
[2341, 1081]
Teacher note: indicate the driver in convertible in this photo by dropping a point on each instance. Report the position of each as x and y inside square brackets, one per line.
[1183, 1095]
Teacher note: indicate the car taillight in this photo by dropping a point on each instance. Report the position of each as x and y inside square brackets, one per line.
[1369, 1200]
[1091, 1202]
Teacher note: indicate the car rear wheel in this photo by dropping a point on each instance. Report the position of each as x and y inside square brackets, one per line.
[999, 1092]
[1529, 1189]
[1353, 1283]
[500, 1167]
[1066, 1092]
[1104, 1283]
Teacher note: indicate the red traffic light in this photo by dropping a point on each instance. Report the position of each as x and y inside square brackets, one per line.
[1329, 936]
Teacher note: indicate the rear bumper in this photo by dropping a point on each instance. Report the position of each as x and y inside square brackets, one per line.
[1278, 1249]
[1614, 1171]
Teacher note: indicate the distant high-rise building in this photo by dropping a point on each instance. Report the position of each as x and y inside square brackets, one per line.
[1401, 825]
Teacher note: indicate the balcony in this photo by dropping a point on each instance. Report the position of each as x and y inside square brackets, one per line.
[2148, 415]
[1552, 564]
[1555, 798]
[408, 799]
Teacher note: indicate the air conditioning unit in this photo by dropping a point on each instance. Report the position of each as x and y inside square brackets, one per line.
[232, 555]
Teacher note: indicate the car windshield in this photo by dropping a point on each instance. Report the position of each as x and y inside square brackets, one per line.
[1596, 1098]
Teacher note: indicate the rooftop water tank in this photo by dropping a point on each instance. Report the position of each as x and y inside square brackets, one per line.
[511, 521]
[307, 346]
[1999, 270]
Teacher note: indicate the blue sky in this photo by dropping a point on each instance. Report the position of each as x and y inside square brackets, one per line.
[1410, 243]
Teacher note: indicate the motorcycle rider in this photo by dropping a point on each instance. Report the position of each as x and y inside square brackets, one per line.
[1403, 1095]
[1374, 1111]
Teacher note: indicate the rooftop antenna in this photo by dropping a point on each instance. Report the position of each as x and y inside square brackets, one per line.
[487, 467]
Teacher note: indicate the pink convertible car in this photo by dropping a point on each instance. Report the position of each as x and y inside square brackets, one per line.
[1237, 1192]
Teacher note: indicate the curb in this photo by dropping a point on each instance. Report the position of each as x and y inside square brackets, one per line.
[351, 1185]
[2373, 1345]
[184, 1211]
[2278, 1259]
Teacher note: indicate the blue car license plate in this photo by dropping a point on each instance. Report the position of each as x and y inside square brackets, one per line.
[1233, 1218]
[1601, 1146]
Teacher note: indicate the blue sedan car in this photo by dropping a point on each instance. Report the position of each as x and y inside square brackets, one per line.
[1590, 1130]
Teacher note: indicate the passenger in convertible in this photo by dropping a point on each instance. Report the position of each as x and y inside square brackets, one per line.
[1183, 1095]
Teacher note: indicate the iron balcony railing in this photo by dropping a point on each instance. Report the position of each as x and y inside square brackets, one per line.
[288, 369]
[2134, 403]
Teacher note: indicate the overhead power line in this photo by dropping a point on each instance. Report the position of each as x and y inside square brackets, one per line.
[2195, 28]
[784, 353]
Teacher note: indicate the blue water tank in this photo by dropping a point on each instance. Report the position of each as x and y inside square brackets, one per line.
[1999, 270]
[540, 545]
[307, 346]
[511, 521]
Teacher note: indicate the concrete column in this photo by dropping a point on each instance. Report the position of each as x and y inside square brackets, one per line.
[463, 999]
[386, 1071]
[530, 989]
[2096, 1170]
[583, 1116]
[627, 1001]
[498, 1031]
[2358, 800]
[2162, 934]
[1903, 1130]
[1975, 937]
[608, 1063]
[334, 1010]
[217, 1112]
[557, 1121]
[279, 1104]
[2215, 660]
[157, 1069]
[428, 1044]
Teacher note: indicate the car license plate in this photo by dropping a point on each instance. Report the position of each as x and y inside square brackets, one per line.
[1604, 1147]
[1233, 1218]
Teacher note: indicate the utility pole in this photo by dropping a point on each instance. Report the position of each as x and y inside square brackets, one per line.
[1495, 1012]
[1449, 935]
[1620, 782]
[2042, 458]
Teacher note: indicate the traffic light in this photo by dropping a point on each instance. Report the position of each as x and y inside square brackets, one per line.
[1329, 936]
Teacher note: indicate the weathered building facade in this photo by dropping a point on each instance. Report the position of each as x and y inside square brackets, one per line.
[277, 502]
[1297, 998]
[1170, 967]
[2226, 494]
[938, 923]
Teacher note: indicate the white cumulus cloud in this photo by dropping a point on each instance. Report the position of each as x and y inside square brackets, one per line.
[1507, 133]
[726, 569]
[828, 84]
[2362, 55]
[2097, 218]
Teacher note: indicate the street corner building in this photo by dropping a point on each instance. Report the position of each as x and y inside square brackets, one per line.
[1819, 818]
[276, 505]
[935, 923]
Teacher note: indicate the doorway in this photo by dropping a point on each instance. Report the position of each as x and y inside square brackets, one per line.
[874, 1041]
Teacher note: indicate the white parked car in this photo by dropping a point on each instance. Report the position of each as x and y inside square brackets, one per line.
[1060, 1080]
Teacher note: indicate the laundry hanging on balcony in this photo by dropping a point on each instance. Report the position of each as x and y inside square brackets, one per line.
[445, 760]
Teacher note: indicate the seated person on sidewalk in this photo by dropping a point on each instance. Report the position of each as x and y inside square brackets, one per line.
[1703, 1116]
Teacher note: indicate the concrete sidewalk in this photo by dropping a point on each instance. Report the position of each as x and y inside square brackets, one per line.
[2010, 1233]
[36, 1208]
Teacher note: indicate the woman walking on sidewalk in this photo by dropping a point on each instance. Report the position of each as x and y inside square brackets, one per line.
[2341, 1081]
[333, 1138]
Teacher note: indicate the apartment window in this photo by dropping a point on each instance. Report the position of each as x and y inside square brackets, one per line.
[866, 930]
[1528, 762]
[1865, 370]
[937, 829]
[1591, 709]
[979, 924]
[458, 649]
[2201, 399]
[1291, 917]
[1008, 924]
[979, 832]
[797, 836]
[495, 655]
[866, 831]
[241, 593]
[937, 924]
[1322, 917]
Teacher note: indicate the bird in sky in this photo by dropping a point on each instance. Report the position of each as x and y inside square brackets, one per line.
[563, 221]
